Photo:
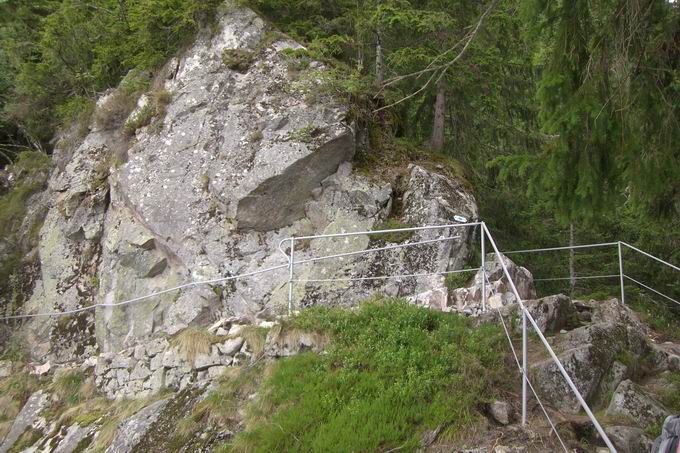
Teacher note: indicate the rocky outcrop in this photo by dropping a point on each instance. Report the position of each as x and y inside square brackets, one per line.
[629, 439]
[633, 403]
[131, 432]
[468, 300]
[239, 159]
[29, 417]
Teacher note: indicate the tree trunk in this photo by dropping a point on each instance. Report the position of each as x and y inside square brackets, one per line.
[437, 141]
[379, 65]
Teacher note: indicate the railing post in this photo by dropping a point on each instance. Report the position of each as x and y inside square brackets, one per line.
[483, 235]
[524, 367]
[290, 276]
[623, 291]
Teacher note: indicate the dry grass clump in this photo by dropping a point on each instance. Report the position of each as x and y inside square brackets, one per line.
[193, 341]
[255, 338]
[114, 110]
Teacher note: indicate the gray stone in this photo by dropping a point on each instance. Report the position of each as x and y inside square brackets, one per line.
[231, 346]
[156, 346]
[75, 434]
[5, 368]
[157, 380]
[631, 401]
[27, 417]
[628, 439]
[132, 430]
[140, 372]
[587, 354]
[205, 361]
[172, 358]
[120, 361]
[156, 362]
[470, 298]
[501, 411]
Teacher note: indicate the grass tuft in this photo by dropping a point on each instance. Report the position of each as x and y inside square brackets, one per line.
[193, 341]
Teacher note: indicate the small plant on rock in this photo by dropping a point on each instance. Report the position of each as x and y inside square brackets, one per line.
[237, 59]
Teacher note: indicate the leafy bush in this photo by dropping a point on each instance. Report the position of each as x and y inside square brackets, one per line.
[391, 372]
[31, 169]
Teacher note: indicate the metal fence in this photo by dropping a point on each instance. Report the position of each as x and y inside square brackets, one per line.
[484, 236]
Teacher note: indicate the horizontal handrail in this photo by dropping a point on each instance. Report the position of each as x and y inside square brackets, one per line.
[565, 247]
[395, 230]
[649, 255]
[383, 277]
[651, 289]
[147, 296]
[576, 277]
[377, 249]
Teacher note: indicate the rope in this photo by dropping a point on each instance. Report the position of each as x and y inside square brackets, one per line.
[383, 277]
[521, 372]
[137, 299]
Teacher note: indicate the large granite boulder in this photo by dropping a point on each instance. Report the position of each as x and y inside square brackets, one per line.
[240, 157]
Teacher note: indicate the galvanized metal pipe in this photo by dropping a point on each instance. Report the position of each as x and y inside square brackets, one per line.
[554, 357]
[623, 291]
[483, 245]
[291, 263]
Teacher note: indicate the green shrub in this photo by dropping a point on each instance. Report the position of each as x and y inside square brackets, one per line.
[237, 59]
[391, 371]
[459, 280]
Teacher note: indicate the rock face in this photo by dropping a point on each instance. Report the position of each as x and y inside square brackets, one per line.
[131, 432]
[632, 402]
[240, 159]
[498, 291]
[29, 417]
[590, 355]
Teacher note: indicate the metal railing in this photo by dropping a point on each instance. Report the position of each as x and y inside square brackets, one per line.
[621, 275]
[292, 263]
[484, 236]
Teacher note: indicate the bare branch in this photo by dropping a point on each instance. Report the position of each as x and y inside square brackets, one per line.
[443, 67]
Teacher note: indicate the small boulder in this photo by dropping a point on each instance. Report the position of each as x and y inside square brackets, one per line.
[501, 411]
[628, 439]
[630, 401]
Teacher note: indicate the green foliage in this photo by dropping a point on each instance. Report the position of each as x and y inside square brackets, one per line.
[305, 134]
[458, 280]
[59, 51]
[392, 371]
[31, 168]
[395, 237]
[72, 387]
[140, 119]
[237, 59]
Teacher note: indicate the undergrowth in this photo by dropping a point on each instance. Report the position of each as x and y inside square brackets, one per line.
[391, 372]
